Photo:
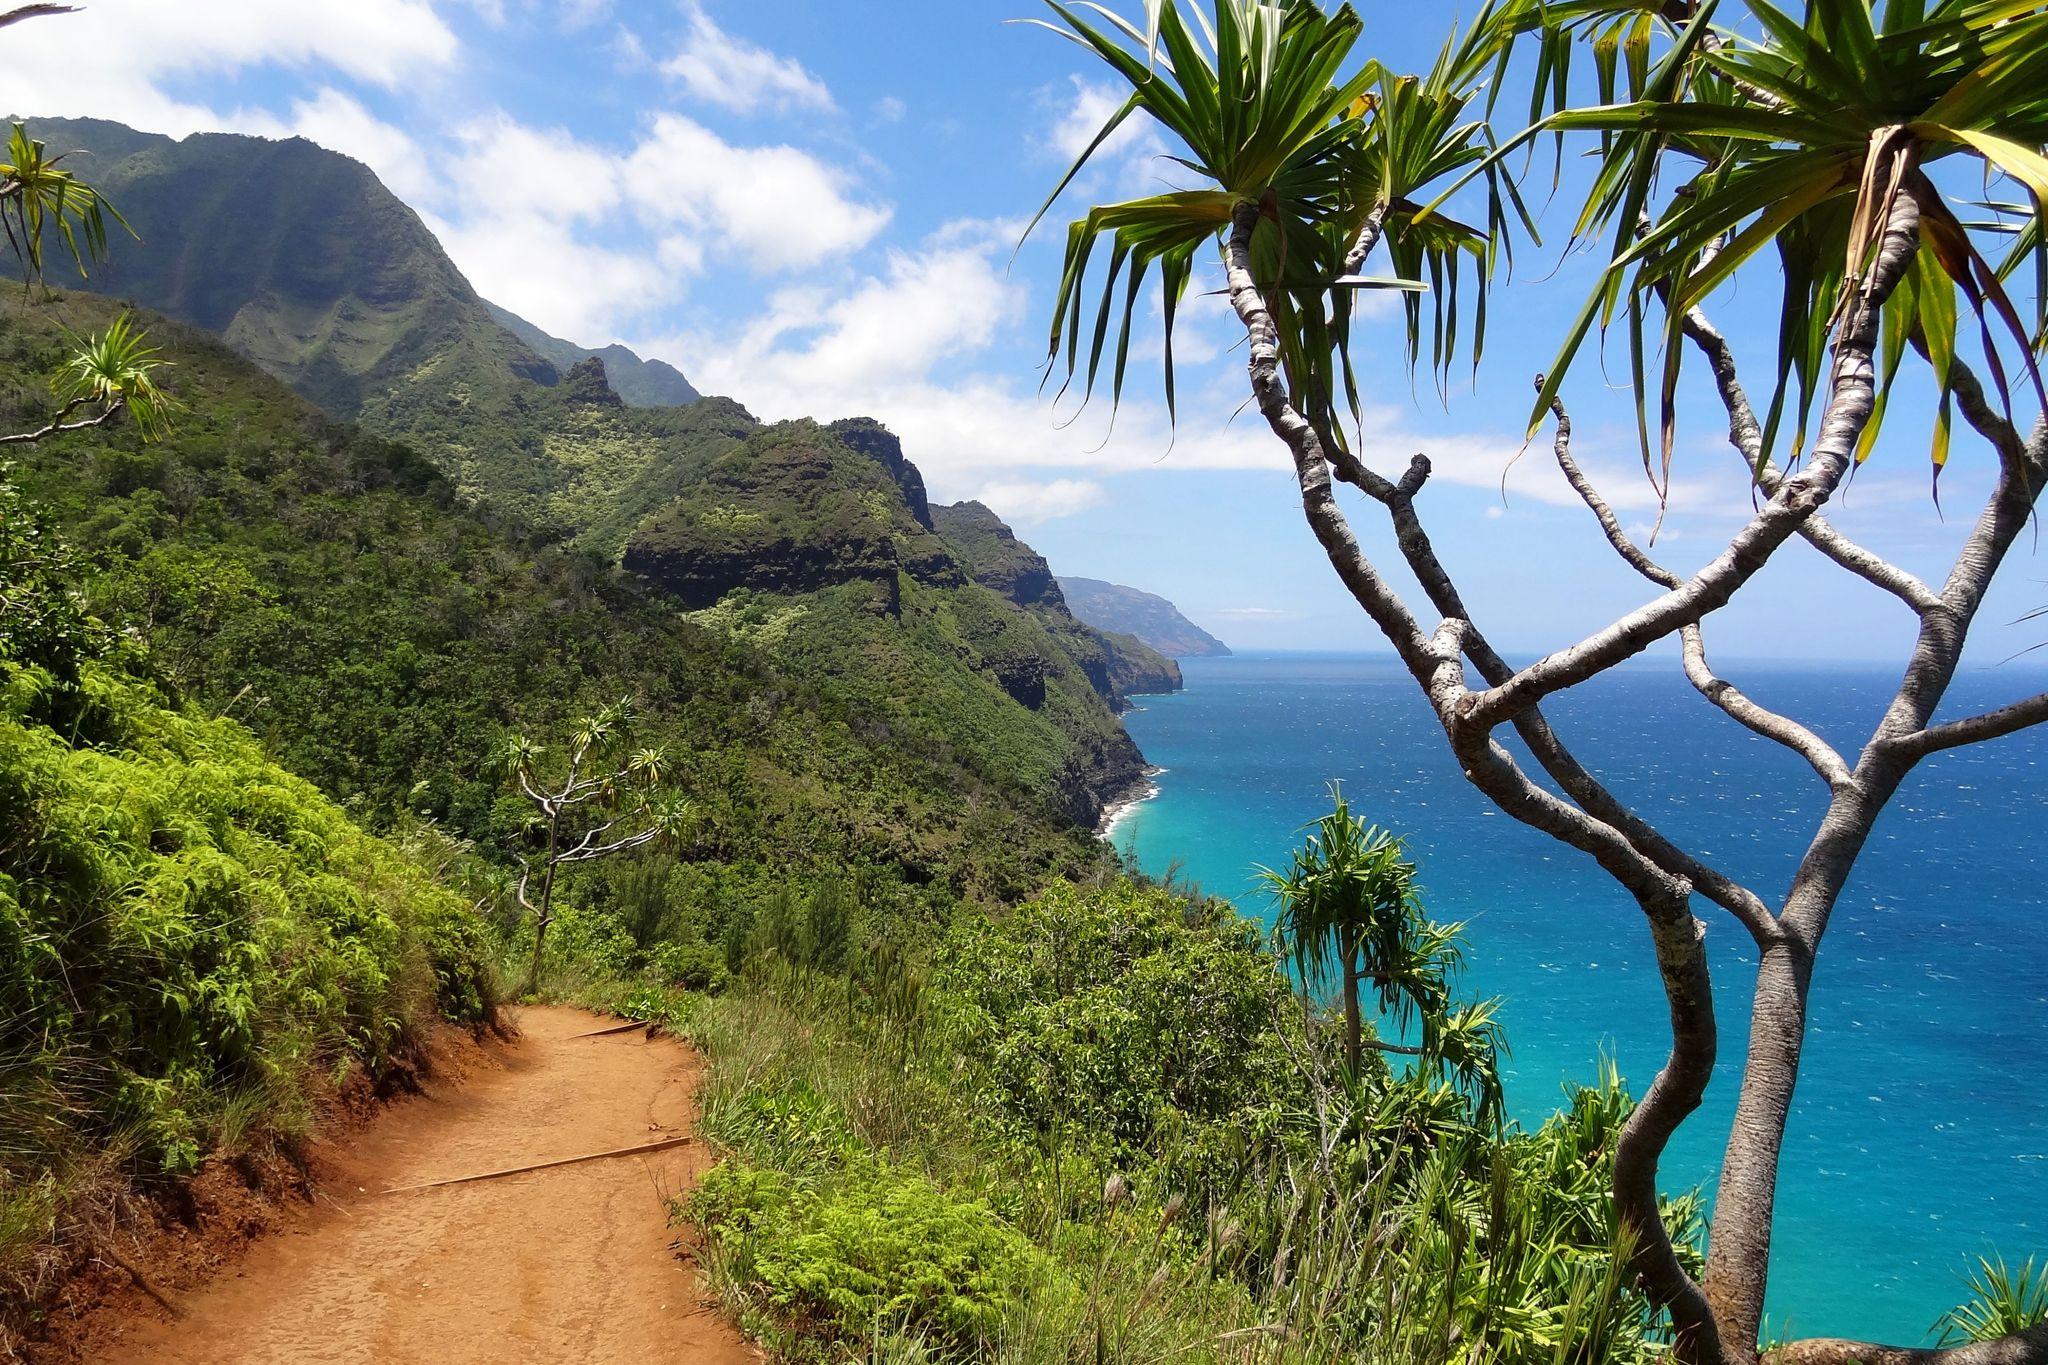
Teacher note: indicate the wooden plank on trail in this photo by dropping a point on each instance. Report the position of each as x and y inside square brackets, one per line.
[663, 1145]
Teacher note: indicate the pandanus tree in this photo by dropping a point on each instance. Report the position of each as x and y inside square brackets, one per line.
[602, 797]
[1831, 147]
[1350, 918]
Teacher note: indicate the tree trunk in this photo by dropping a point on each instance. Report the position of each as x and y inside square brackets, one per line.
[1354, 1024]
[545, 912]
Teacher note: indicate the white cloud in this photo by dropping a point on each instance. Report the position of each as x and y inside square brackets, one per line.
[532, 252]
[340, 123]
[108, 60]
[1127, 163]
[781, 208]
[718, 68]
[540, 269]
[508, 167]
[1027, 504]
[1079, 117]
[889, 109]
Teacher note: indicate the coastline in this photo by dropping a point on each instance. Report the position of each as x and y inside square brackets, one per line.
[1119, 810]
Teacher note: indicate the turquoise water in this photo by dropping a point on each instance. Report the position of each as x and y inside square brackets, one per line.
[1920, 1133]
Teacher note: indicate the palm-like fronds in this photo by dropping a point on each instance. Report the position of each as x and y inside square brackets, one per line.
[116, 371]
[1349, 916]
[1258, 95]
[2004, 1301]
[37, 193]
[1800, 143]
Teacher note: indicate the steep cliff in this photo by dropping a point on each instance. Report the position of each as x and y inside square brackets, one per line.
[1120, 666]
[817, 543]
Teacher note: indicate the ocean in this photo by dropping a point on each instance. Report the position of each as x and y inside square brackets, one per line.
[1919, 1137]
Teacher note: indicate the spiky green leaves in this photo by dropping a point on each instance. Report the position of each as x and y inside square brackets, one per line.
[1801, 142]
[116, 371]
[37, 194]
[1258, 95]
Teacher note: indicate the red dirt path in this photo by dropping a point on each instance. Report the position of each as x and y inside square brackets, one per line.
[573, 1264]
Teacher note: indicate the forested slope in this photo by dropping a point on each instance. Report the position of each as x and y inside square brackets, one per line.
[333, 590]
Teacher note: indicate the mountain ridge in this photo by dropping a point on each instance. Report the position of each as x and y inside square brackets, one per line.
[813, 542]
[1148, 616]
[639, 382]
[298, 257]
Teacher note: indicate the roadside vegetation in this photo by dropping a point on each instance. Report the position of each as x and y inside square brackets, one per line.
[194, 942]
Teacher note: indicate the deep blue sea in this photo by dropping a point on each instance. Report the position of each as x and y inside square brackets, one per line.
[1920, 1132]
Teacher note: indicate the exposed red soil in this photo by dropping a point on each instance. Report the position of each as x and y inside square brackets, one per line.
[573, 1264]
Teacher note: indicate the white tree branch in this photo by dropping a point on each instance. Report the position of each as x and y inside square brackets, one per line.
[1722, 693]
[1852, 397]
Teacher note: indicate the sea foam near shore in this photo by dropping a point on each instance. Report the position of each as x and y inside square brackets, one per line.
[1121, 809]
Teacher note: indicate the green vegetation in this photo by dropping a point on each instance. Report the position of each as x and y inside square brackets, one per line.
[639, 383]
[1825, 152]
[1350, 917]
[1102, 1126]
[332, 285]
[330, 589]
[193, 941]
[600, 799]
[816, 544]
[301, 259]
[2004, 1300]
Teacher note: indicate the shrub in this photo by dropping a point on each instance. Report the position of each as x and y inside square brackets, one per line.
[187, 933]
[876, 1249]
[1127, 1016]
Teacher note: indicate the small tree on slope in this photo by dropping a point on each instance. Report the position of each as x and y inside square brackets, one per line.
[1349, 916]
[1815, 142]
[602, 799]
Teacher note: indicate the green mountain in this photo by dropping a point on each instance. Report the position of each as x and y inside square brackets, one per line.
[331, 589]
[1151, 618]
[1121, 666]
[639, 383]
[816, 543]
[299, 258]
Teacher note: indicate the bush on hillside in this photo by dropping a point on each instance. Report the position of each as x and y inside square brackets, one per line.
[188, 936]
[1129, 1019]
[874, 1250]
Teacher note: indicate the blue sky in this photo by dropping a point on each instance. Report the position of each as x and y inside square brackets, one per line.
[812, 207]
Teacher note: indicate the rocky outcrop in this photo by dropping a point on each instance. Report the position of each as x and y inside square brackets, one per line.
[586, 383]
[1117, 666]
[957, 628]
[787, 513]
[640, 383]
[995, 558]
[1137, 669]
[878, 443]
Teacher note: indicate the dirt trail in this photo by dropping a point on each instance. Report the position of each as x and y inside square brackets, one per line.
[571, 1264]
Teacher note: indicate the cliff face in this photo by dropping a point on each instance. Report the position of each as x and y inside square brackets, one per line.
[819, 541]
[1151, 618]
[791, 510]
[1119, 666]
